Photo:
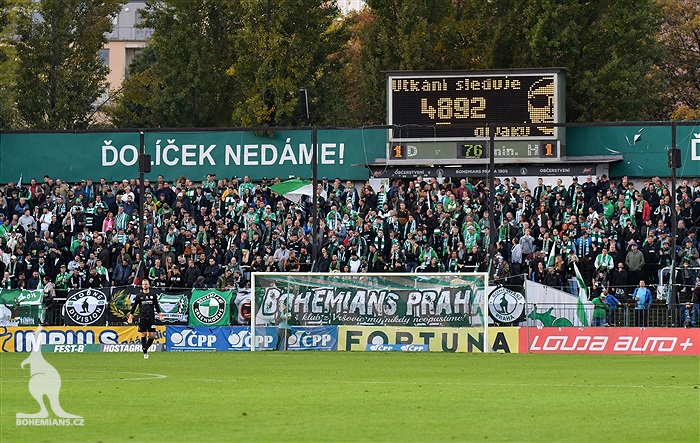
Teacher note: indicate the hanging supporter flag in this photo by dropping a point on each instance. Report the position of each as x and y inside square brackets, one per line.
[86, 307]
[120, 299]
[582, 298]
[210, 308]
[21, 308]
[173, 305]
[552, 256]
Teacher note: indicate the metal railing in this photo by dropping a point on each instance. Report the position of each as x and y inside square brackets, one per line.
[626, 315]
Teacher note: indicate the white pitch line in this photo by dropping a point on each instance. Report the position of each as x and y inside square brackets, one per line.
[216, 380]
[526, 385]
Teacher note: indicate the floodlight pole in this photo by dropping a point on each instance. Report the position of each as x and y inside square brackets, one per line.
[674, 218]
[492, 191]
[314, 195]
[141, 223]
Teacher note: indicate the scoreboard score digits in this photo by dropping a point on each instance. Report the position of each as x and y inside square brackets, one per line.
[461, 105]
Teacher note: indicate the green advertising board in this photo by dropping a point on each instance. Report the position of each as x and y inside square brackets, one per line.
[644, 148]
[210, 308]
[193, 154]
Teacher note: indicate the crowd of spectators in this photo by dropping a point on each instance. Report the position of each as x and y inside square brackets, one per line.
[213, 233]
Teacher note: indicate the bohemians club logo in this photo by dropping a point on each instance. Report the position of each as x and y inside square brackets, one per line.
[209, 309]
[506, 306]
[87, 306]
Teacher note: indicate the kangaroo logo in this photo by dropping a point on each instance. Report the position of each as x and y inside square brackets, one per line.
[44, 380]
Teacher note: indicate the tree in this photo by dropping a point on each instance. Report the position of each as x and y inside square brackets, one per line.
[680, 35]
[407, 35]
[8, 65]
[284, 45]
[182, 80]
[60, 74]
[608, 48]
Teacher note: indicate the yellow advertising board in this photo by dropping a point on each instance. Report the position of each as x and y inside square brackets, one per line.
[358, 338]
[18, 339]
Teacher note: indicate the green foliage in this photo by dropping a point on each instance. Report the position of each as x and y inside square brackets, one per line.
[216, 63]
[609, 50]
[8, 65]
[59, 74]
[181, 80]
[406, 35]
[680, 35]
[284, 45]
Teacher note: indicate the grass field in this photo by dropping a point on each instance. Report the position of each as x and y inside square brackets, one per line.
[341, 396]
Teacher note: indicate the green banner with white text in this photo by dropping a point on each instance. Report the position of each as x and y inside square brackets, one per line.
[193, 154]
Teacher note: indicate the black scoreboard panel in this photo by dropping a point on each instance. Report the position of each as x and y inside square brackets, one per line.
[512, 100]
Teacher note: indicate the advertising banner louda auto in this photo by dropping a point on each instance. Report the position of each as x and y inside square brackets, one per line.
[173, 305]
[361, 338]
[440, 306]
[18, 339]
[239, 338]
[657, 341]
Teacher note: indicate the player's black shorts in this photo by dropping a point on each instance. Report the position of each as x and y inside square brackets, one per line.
[147, 325]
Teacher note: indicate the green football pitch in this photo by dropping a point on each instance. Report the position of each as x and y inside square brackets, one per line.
[342, 396]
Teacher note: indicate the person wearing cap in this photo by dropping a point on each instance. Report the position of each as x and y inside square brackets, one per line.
[634, 261]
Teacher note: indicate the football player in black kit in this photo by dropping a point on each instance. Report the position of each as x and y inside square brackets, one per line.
[148, 302]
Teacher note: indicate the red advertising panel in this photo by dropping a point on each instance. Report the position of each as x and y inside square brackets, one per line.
[657, 341]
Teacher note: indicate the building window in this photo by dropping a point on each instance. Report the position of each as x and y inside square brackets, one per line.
[104, 56]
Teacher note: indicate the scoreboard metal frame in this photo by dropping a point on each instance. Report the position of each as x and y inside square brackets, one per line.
[430, 106]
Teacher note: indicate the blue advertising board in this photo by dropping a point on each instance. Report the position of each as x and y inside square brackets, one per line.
[239, 338]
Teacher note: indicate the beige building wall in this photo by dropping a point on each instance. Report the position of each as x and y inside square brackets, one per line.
[121, 54]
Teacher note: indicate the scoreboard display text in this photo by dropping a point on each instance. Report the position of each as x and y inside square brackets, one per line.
[461, 105]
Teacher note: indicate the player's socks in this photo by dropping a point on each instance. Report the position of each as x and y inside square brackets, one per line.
[149, 343]
[143, 345]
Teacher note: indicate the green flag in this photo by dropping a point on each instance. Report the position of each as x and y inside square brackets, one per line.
[210, 308]
[550, 259]
[582, 297]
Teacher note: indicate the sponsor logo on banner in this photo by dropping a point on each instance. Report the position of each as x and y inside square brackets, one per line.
[129, 347]
[358, 338]
[17, 339]
[659, 341]
[324, 338]
[186, 338]
[318, 338]
[506, 306]
[239, 338]
[70, 348]
[86, 307]
[402, 348]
